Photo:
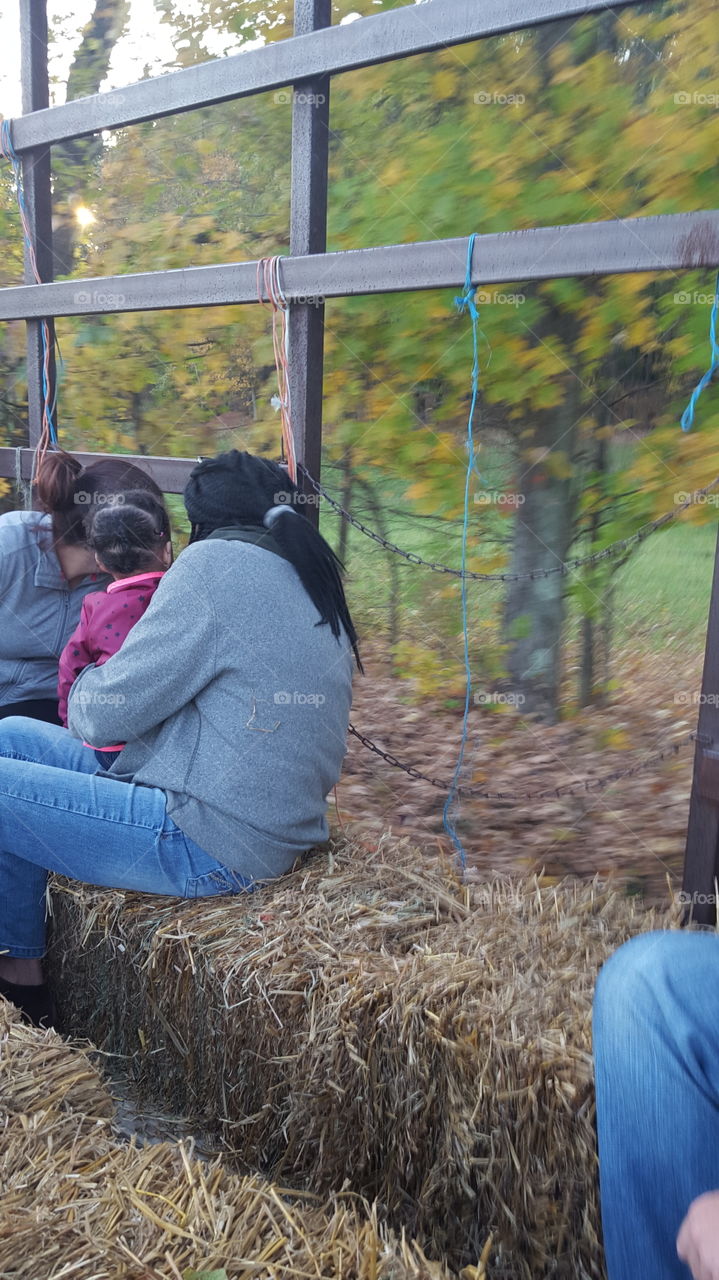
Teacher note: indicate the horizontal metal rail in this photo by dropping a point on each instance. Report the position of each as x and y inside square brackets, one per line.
[415, 28]
[669, 242]
[169, 473]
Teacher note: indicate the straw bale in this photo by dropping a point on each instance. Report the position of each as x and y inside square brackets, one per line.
[78, 1202]
[37, 1071]
[369, 1018]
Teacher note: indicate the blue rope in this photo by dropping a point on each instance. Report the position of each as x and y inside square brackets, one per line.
[688, 414]
[8, 149]
[465, 303]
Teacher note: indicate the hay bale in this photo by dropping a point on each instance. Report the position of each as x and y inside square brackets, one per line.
[37, 1071]
[369, 1018]
[77, 1202]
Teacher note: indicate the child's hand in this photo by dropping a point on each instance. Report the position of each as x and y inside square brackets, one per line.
[698, 1239]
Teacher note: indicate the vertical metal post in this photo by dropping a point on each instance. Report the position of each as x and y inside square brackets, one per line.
[701, 860]
[308, 234]
[38, 201]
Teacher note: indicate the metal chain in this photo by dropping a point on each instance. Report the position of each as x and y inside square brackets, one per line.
[578, 788]
[565, 567]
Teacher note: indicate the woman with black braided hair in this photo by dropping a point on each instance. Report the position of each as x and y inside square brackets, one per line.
[232, 694]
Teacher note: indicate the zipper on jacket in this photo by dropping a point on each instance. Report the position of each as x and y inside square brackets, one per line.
[59, 642]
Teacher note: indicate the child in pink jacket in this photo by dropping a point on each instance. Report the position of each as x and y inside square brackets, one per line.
[131, 541]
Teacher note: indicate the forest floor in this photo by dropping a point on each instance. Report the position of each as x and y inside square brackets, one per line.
[634, 829]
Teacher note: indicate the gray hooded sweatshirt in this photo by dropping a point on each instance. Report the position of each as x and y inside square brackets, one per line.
[38, 611]
[233, 701]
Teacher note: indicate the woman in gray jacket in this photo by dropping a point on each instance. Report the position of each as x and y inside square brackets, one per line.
[232, 693]
[46, 570]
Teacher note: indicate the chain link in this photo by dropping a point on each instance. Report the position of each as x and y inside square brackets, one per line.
[568, 566]
[580, 788]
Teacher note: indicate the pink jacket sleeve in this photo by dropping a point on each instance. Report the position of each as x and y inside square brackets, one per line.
[74, 658]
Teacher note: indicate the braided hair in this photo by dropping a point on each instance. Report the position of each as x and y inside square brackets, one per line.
[238, 488]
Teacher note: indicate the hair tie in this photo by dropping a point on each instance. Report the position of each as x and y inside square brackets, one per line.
[272, 514]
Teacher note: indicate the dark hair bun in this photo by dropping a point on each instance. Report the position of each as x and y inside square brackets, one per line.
[55, 481]
[128, 533]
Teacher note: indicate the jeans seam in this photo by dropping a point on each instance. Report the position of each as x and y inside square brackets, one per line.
[80, 813]
[17, 755]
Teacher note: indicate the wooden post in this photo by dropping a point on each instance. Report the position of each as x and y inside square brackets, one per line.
[38, 203]
[701, 860]
[308, 234]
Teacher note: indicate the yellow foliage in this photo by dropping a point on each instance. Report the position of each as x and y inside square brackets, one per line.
[444, 84]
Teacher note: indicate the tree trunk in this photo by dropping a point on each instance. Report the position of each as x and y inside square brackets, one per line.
[596, 577]
[534, 608]
[72, 160]
[586, 668]
[347, 483]
[392, 567]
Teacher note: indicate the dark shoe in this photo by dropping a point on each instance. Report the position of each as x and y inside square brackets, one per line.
[34, 1002]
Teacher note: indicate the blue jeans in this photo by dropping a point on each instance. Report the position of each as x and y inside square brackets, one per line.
[58, 813]
[656, 1048]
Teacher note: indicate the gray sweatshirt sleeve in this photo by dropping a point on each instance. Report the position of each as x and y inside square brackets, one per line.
[168, 657]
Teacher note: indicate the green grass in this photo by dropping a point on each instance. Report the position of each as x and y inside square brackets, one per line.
[661, 593]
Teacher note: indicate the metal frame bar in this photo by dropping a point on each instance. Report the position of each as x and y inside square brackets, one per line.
[384, 37]
[668, 242]
[38, 201]
[701, 857]
[308, 236]
[169, 473]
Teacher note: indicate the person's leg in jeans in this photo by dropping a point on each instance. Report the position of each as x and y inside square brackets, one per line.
[58, 814]
[656, 1048]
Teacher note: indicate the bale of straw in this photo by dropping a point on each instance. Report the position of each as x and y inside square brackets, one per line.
[78, 1202]
[37, 1071]
[368, 1018]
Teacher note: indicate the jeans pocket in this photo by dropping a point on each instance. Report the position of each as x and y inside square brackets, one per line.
[222, 882]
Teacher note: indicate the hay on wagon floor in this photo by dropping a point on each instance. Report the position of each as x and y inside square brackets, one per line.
[38, 1072]
[77, 1202]
[370, 1018]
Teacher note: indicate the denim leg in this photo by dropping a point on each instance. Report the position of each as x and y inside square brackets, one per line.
[57, 815]
[25, 739]
[656, 1047]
